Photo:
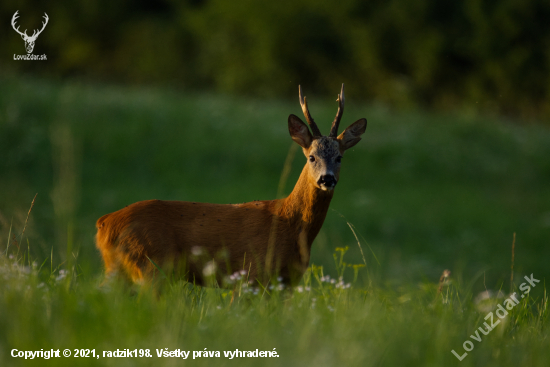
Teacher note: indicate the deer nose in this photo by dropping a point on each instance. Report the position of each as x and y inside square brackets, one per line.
[329, 181]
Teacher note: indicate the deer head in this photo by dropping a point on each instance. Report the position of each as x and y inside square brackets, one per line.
[324, 153]
[29, 40]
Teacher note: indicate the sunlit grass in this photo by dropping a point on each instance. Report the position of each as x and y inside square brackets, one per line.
[420, 194]
[323, 320]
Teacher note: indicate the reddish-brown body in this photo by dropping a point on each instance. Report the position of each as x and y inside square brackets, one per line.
[264, 238]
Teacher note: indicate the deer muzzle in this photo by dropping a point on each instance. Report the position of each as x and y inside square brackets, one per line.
[327, 182]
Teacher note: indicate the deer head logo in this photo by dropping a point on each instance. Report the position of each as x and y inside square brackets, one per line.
[29, 41]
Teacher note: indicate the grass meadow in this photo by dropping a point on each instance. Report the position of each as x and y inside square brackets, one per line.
[420, 194]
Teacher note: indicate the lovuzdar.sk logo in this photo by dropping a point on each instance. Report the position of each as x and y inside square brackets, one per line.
[29, 40]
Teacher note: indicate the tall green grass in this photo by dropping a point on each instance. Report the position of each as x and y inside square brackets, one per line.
[322, 322]
[420, 194]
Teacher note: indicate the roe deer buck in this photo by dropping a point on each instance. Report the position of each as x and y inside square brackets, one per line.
[264, 238]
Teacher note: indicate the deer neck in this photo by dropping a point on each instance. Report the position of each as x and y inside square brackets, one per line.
[306, 207]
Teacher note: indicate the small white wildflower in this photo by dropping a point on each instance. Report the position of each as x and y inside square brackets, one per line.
[196, 250]
[209, 269]
[279, 279]
[243, 272]
[332, 281]
[219, 307]
[308, 289]
[280, 287]
[300, 288]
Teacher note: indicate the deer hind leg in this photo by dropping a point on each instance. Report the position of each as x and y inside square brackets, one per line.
[113, 268]
[134, 268]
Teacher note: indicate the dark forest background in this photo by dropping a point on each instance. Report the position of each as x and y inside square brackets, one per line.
[484, 56]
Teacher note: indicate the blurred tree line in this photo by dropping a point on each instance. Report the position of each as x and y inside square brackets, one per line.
[492, 56]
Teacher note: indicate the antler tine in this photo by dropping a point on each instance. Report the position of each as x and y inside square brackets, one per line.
[43, 24]
[13, 19]
[303, 102]
[336, 122]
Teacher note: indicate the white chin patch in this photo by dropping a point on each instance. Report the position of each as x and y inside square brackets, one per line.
[326, 188]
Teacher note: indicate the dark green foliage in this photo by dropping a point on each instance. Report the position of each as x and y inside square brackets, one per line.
[426, 191]
[491, 56]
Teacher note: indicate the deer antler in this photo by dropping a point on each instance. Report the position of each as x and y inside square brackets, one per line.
[336, 122]
[43, 26]
[303, 102]
[15, 16]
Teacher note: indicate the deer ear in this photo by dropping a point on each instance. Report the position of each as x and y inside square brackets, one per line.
[299, 132]
[351, 136]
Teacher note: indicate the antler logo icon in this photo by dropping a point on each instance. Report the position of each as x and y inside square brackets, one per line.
[29, 41]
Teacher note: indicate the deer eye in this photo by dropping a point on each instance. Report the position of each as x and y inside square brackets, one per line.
[311, 158]
[339, 159]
